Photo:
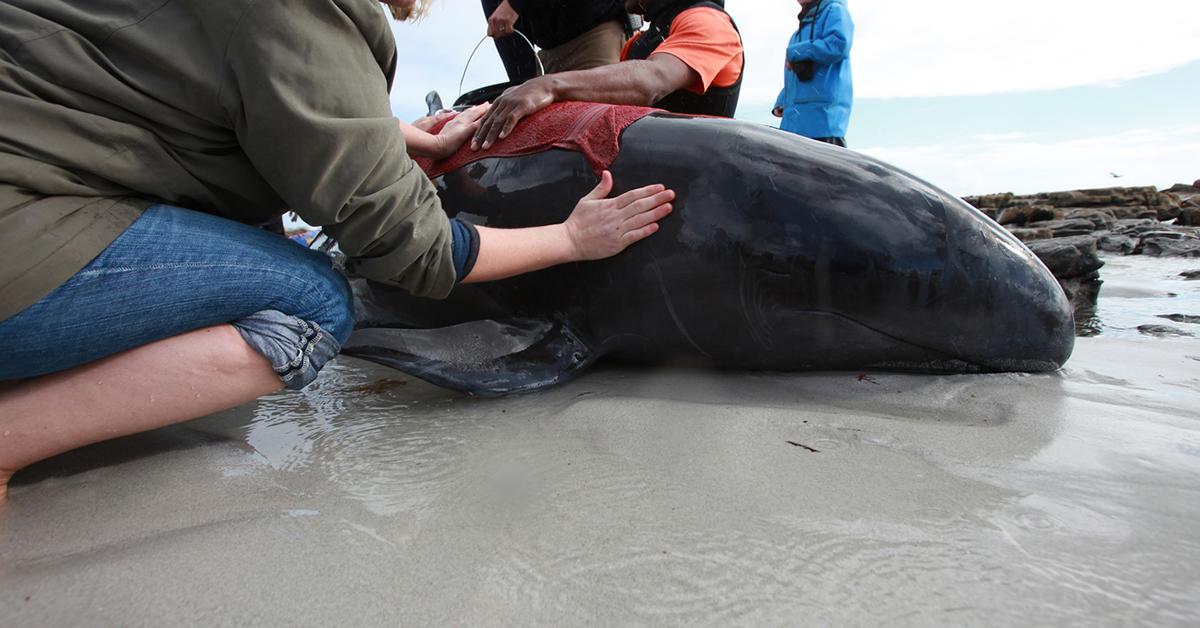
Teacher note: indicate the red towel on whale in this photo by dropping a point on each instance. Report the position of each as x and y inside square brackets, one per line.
[590, 128]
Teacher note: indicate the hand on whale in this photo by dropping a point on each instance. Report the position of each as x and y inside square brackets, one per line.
[510, 108]
[601, 227]
[598, 227]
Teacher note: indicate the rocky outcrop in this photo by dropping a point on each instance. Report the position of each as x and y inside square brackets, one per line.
[1067, 231]
[1182, 318]
[1140, 202]
[1189, 203]
[1162, 331]
[1068, 258]
[1128, 221]
[1074, 261]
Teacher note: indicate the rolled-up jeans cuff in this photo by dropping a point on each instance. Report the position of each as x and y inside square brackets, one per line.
[297, 349]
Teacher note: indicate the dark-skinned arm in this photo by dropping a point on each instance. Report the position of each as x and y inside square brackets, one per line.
[638, 82]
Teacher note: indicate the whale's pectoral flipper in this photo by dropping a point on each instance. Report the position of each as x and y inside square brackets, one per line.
[486, 358]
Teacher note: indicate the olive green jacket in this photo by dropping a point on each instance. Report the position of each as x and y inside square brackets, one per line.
[241, 108]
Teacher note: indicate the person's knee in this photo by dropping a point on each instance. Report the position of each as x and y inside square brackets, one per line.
[328, 301]
[305, 325]
[337, 307]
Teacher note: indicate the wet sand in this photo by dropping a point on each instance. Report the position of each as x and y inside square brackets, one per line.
[648, 496]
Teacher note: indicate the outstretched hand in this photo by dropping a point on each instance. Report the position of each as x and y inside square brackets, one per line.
[460, 129]
[601, 227]
[515, 103]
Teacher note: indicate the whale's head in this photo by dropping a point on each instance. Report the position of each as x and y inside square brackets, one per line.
[788, 253]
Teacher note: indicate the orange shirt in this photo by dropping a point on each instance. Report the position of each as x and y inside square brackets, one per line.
[705, 40]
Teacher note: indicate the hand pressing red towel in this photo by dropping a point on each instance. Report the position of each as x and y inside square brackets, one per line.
[590, 128]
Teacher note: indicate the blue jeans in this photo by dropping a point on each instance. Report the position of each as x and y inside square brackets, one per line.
[176, 270]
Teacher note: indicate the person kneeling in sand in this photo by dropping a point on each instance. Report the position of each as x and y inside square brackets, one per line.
[138, 144]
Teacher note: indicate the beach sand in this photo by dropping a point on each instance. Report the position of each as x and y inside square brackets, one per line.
[650, 496]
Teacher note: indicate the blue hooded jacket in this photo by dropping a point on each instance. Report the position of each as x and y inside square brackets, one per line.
[820, 107]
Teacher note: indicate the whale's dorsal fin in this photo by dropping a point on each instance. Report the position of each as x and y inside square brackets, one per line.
[487, 358]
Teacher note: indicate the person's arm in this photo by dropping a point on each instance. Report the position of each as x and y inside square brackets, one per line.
[599, 227]
[834, 43]
[318, 127]
[641, 82]
[638, 82]
[701, 43]
[421, 143]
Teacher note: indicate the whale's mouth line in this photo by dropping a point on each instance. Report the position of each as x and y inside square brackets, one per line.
[873, 329]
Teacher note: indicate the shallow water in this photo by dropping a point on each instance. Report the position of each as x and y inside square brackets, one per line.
[1140, 291]
[638, 496]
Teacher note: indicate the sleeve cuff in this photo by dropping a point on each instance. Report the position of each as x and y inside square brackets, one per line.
[465, 247]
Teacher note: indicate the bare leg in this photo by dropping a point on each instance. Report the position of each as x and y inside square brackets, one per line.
[159, 384]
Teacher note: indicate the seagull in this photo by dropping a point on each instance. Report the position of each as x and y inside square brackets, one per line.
[1115, 175]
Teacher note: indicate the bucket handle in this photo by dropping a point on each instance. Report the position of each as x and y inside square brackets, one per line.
[541, 68]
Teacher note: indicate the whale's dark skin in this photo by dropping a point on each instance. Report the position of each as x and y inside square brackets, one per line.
[782, 254]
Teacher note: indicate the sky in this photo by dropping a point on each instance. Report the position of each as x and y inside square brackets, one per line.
[973, 96]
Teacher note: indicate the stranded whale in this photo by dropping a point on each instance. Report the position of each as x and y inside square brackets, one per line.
[782, 254]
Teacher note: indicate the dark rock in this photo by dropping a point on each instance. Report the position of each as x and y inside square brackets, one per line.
[1182, 187]
[1168, 244]
[1063, 199]
[991, 201]
[1189, 216]
[1135, 227]
[1068, 257]
[1161, 331]
[1104, 197]
[1100, 197]
[1190, 275]
[1145, 213]
[1169, 208]
[1196, 183]
[1101, 218]
[1163, 199]
[1083, 293]
[1065, 228]
[1117, 243]
[1165, 234]
[1028, 235]
[1129, 212]
[1164, 214]
[1182, 318]
[1023, 214]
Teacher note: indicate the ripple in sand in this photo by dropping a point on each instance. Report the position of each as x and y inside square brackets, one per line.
[813, 573]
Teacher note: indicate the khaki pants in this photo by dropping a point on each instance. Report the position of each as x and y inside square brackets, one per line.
[597, 47]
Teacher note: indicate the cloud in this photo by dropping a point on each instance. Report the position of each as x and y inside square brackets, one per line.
[970, 47]
[433, 54]
[1157, 156]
